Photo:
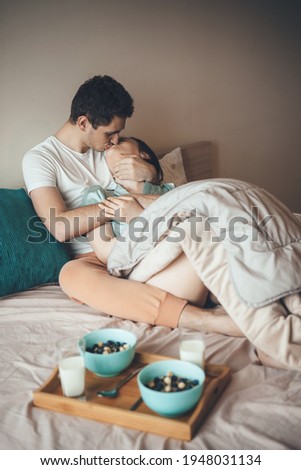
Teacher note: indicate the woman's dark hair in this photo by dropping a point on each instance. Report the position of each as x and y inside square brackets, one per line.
[100, 99]
[153, 159]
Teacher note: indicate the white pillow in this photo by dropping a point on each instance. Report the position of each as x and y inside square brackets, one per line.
[173, 168]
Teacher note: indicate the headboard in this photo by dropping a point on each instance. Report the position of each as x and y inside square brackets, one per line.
[197, 160]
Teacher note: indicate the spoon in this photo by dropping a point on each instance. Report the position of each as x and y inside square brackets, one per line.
[113, 392]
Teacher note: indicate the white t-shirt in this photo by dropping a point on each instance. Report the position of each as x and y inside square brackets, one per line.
[53, 164]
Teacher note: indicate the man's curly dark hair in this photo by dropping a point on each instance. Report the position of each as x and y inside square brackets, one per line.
[100, 99]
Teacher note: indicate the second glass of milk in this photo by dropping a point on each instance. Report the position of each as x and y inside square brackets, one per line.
[192, 347]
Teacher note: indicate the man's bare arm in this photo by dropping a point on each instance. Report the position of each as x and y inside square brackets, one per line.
[62, 223]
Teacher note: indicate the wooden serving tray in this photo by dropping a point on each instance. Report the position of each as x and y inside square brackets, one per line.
[127, 409]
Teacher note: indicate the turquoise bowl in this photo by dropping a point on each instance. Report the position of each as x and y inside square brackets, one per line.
[108, 365]
[171, 404]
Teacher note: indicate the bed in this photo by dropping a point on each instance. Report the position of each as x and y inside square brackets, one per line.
[259, 409]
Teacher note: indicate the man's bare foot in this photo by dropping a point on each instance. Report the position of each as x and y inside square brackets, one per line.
[213, 320]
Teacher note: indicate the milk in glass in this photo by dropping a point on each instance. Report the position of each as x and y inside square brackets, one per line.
[72, 375]
[193, 350]
[71, 366]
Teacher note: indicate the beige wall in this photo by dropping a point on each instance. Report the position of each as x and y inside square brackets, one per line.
[225, 71]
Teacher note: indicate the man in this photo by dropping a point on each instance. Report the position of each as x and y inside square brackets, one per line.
[57, 172]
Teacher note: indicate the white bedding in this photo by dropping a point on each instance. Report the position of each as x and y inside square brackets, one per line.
[260, 408]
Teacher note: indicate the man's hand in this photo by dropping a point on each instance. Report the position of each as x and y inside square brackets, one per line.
[122, 208]
[132, 167]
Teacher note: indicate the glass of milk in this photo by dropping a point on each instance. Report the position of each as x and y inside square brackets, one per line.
[71, 367]
[192, 347]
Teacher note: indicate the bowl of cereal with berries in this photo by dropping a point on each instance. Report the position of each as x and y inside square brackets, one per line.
[171, 387]
[108, 351]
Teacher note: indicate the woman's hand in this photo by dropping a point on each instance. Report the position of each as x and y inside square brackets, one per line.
[122, 208]
[134, 168]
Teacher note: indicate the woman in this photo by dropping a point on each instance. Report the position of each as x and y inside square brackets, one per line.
[103, 238]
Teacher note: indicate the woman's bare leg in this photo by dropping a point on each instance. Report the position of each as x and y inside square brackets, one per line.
[102, 240]
[180, 279]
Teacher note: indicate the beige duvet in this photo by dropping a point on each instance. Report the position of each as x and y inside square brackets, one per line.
[246, 248]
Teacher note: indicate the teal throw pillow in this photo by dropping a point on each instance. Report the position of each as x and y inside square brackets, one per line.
[29, 255]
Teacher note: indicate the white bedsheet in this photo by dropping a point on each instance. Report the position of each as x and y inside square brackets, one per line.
[260, 408]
